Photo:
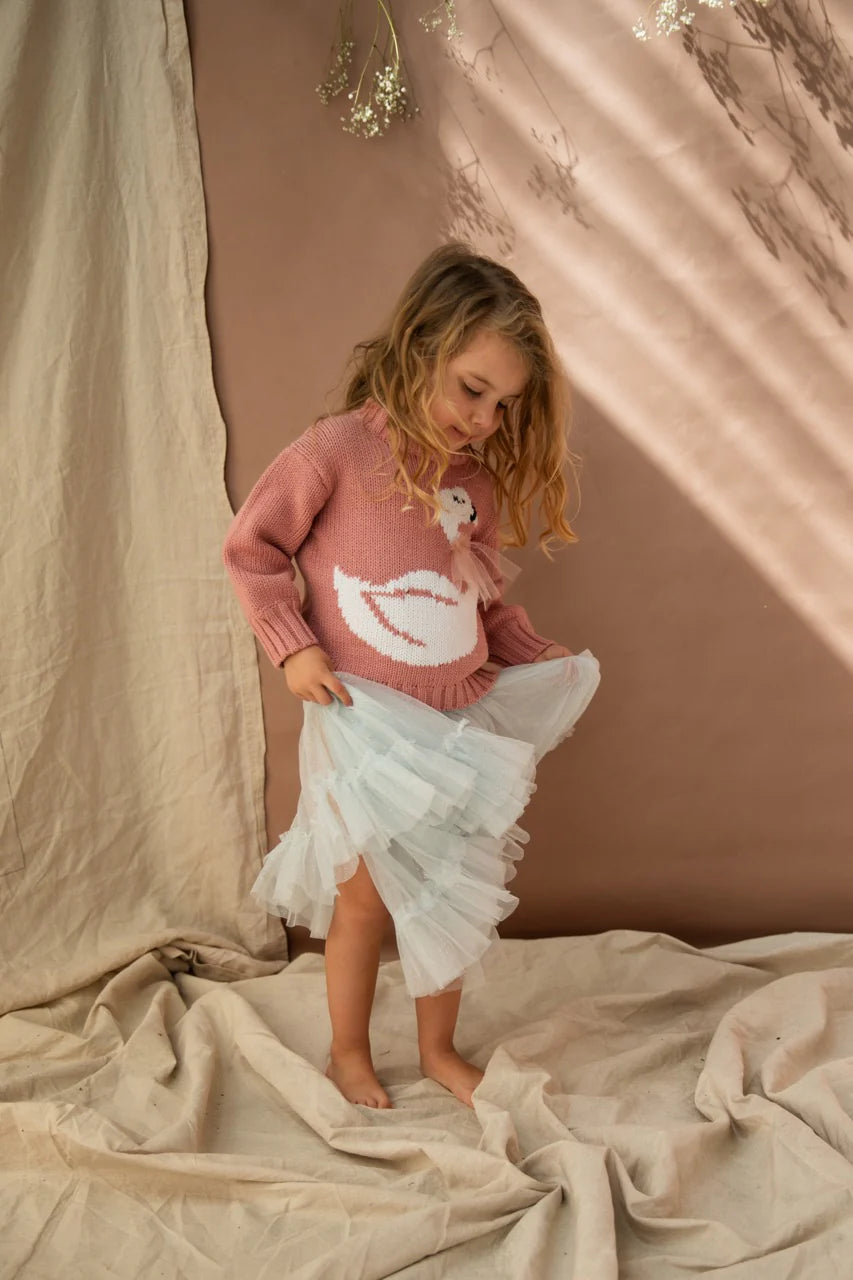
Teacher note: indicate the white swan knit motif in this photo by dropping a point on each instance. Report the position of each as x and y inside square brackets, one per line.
[421, 618]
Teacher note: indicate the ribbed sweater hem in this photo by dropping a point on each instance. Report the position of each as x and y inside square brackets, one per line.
[445, 697]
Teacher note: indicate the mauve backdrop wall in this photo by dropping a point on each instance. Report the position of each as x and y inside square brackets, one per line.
[706, 791]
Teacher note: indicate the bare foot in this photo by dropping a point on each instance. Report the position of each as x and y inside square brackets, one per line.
[457, 1075]
[354, 1075]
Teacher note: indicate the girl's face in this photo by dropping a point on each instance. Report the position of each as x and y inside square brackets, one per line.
[480, 382]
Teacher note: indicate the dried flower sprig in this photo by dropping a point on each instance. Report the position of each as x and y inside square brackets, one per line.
[379, 96]
[435, 17]
[385, 92]
[672, 16]
[340, 57]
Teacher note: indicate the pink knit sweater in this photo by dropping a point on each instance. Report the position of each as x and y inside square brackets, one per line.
[384, 596]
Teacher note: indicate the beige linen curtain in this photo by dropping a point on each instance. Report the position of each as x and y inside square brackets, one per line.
[130, 720]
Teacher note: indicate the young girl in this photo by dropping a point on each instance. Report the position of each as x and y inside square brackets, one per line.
[428, 701]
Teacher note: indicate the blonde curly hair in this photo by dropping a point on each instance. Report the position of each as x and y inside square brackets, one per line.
[454, 294]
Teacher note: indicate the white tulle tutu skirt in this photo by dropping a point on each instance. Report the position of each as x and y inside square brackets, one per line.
[430, 800]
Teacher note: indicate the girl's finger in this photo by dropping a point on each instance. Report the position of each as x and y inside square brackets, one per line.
[340, 690]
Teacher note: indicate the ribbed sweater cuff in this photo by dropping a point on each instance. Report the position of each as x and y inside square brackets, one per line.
[283, 632]
[515, 643]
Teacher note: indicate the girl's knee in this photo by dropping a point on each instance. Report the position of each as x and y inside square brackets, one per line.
[359, 900]
[363, 915]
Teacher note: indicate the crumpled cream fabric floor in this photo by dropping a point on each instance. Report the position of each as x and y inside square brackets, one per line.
[649, 1111]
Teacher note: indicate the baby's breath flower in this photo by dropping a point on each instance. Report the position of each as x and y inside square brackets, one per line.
[387, 98]
[672, 16]
[338, 77]
[433, 18]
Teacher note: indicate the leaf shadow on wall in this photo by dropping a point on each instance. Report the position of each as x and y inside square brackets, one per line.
[811, 68]
[474, 207]
[803, 47]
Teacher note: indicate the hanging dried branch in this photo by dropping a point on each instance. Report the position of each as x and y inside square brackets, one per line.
[383, 89]
[672, 16]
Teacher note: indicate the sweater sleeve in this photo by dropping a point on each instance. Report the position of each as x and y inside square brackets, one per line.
[510, 634]
[264, 535]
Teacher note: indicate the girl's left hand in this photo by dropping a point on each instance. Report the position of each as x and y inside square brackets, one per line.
[553, 651]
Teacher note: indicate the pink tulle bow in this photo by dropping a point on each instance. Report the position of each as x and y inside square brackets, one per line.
[475, 565]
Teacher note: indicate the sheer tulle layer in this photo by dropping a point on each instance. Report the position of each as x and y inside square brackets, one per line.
[430, 799]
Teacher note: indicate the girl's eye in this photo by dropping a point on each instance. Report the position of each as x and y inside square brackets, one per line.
[472, 392]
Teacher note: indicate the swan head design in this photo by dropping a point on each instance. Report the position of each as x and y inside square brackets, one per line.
[459, 511]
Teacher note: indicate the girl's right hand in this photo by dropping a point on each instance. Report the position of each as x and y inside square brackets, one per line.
[310, 676]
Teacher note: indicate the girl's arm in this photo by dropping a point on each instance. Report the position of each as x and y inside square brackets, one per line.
[511, 636]
[265, 534]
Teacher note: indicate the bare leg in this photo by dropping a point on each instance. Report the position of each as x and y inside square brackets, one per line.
[439, 1060]
[352, 962]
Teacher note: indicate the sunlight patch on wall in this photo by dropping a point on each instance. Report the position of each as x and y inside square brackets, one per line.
[720, 360]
